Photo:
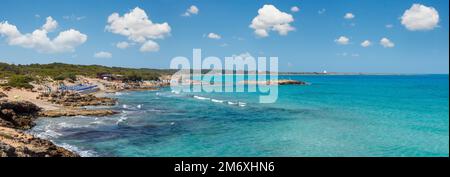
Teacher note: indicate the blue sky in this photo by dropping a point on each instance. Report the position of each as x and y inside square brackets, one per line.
[312, 46]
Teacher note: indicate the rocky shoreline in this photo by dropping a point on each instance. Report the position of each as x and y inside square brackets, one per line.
[76, 112]
[19, 108]
[71, 99]
[16, 143]
[18, 116]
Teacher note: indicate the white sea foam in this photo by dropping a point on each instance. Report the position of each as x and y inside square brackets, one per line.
[82, 153]
[217, 101]
[231, 103]
[102, 121]
[97, 107]
[242, 104]
[66, 125]
[238, 103]
[122, 119]
[47, 134]
[201, 98]
[96, 123]
[124, 106]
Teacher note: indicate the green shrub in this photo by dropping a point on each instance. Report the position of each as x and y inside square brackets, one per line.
[133, 78]
[20, 81]
[65, 76]
[61, 71]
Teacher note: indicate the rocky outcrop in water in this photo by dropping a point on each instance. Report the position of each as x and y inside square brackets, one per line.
[77, 100]
[291, 82]
[76, 112]
[18, 114]
[14, 143]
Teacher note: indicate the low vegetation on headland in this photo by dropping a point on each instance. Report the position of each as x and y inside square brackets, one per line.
[19, 76]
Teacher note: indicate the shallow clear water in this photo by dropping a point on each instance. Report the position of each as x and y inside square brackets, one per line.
[334, 116]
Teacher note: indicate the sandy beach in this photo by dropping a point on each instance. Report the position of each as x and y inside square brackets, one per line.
[26, 95]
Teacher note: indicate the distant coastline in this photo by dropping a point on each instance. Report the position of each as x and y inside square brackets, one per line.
[204, 71]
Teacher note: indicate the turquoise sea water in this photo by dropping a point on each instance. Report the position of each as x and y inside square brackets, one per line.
[334, 116]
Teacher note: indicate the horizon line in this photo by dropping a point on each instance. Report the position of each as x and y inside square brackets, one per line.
[283, 72]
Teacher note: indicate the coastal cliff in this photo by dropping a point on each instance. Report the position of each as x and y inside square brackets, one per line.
[16, 116]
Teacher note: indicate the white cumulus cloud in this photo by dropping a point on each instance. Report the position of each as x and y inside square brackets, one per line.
[193, 10]
[149, 46]
[271, 19]
[420, 17]
[342, 40]
[366, 43]
[295, 9]
[50, 24]
[122, 45]
[349, 16]
[65, 41]
[385, 42]
[137, 26]
[214, 36]
[102, 54]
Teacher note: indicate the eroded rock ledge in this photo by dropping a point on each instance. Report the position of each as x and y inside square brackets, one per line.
[18, 114]
[77, 100]
[76, 112]
[15, 143]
